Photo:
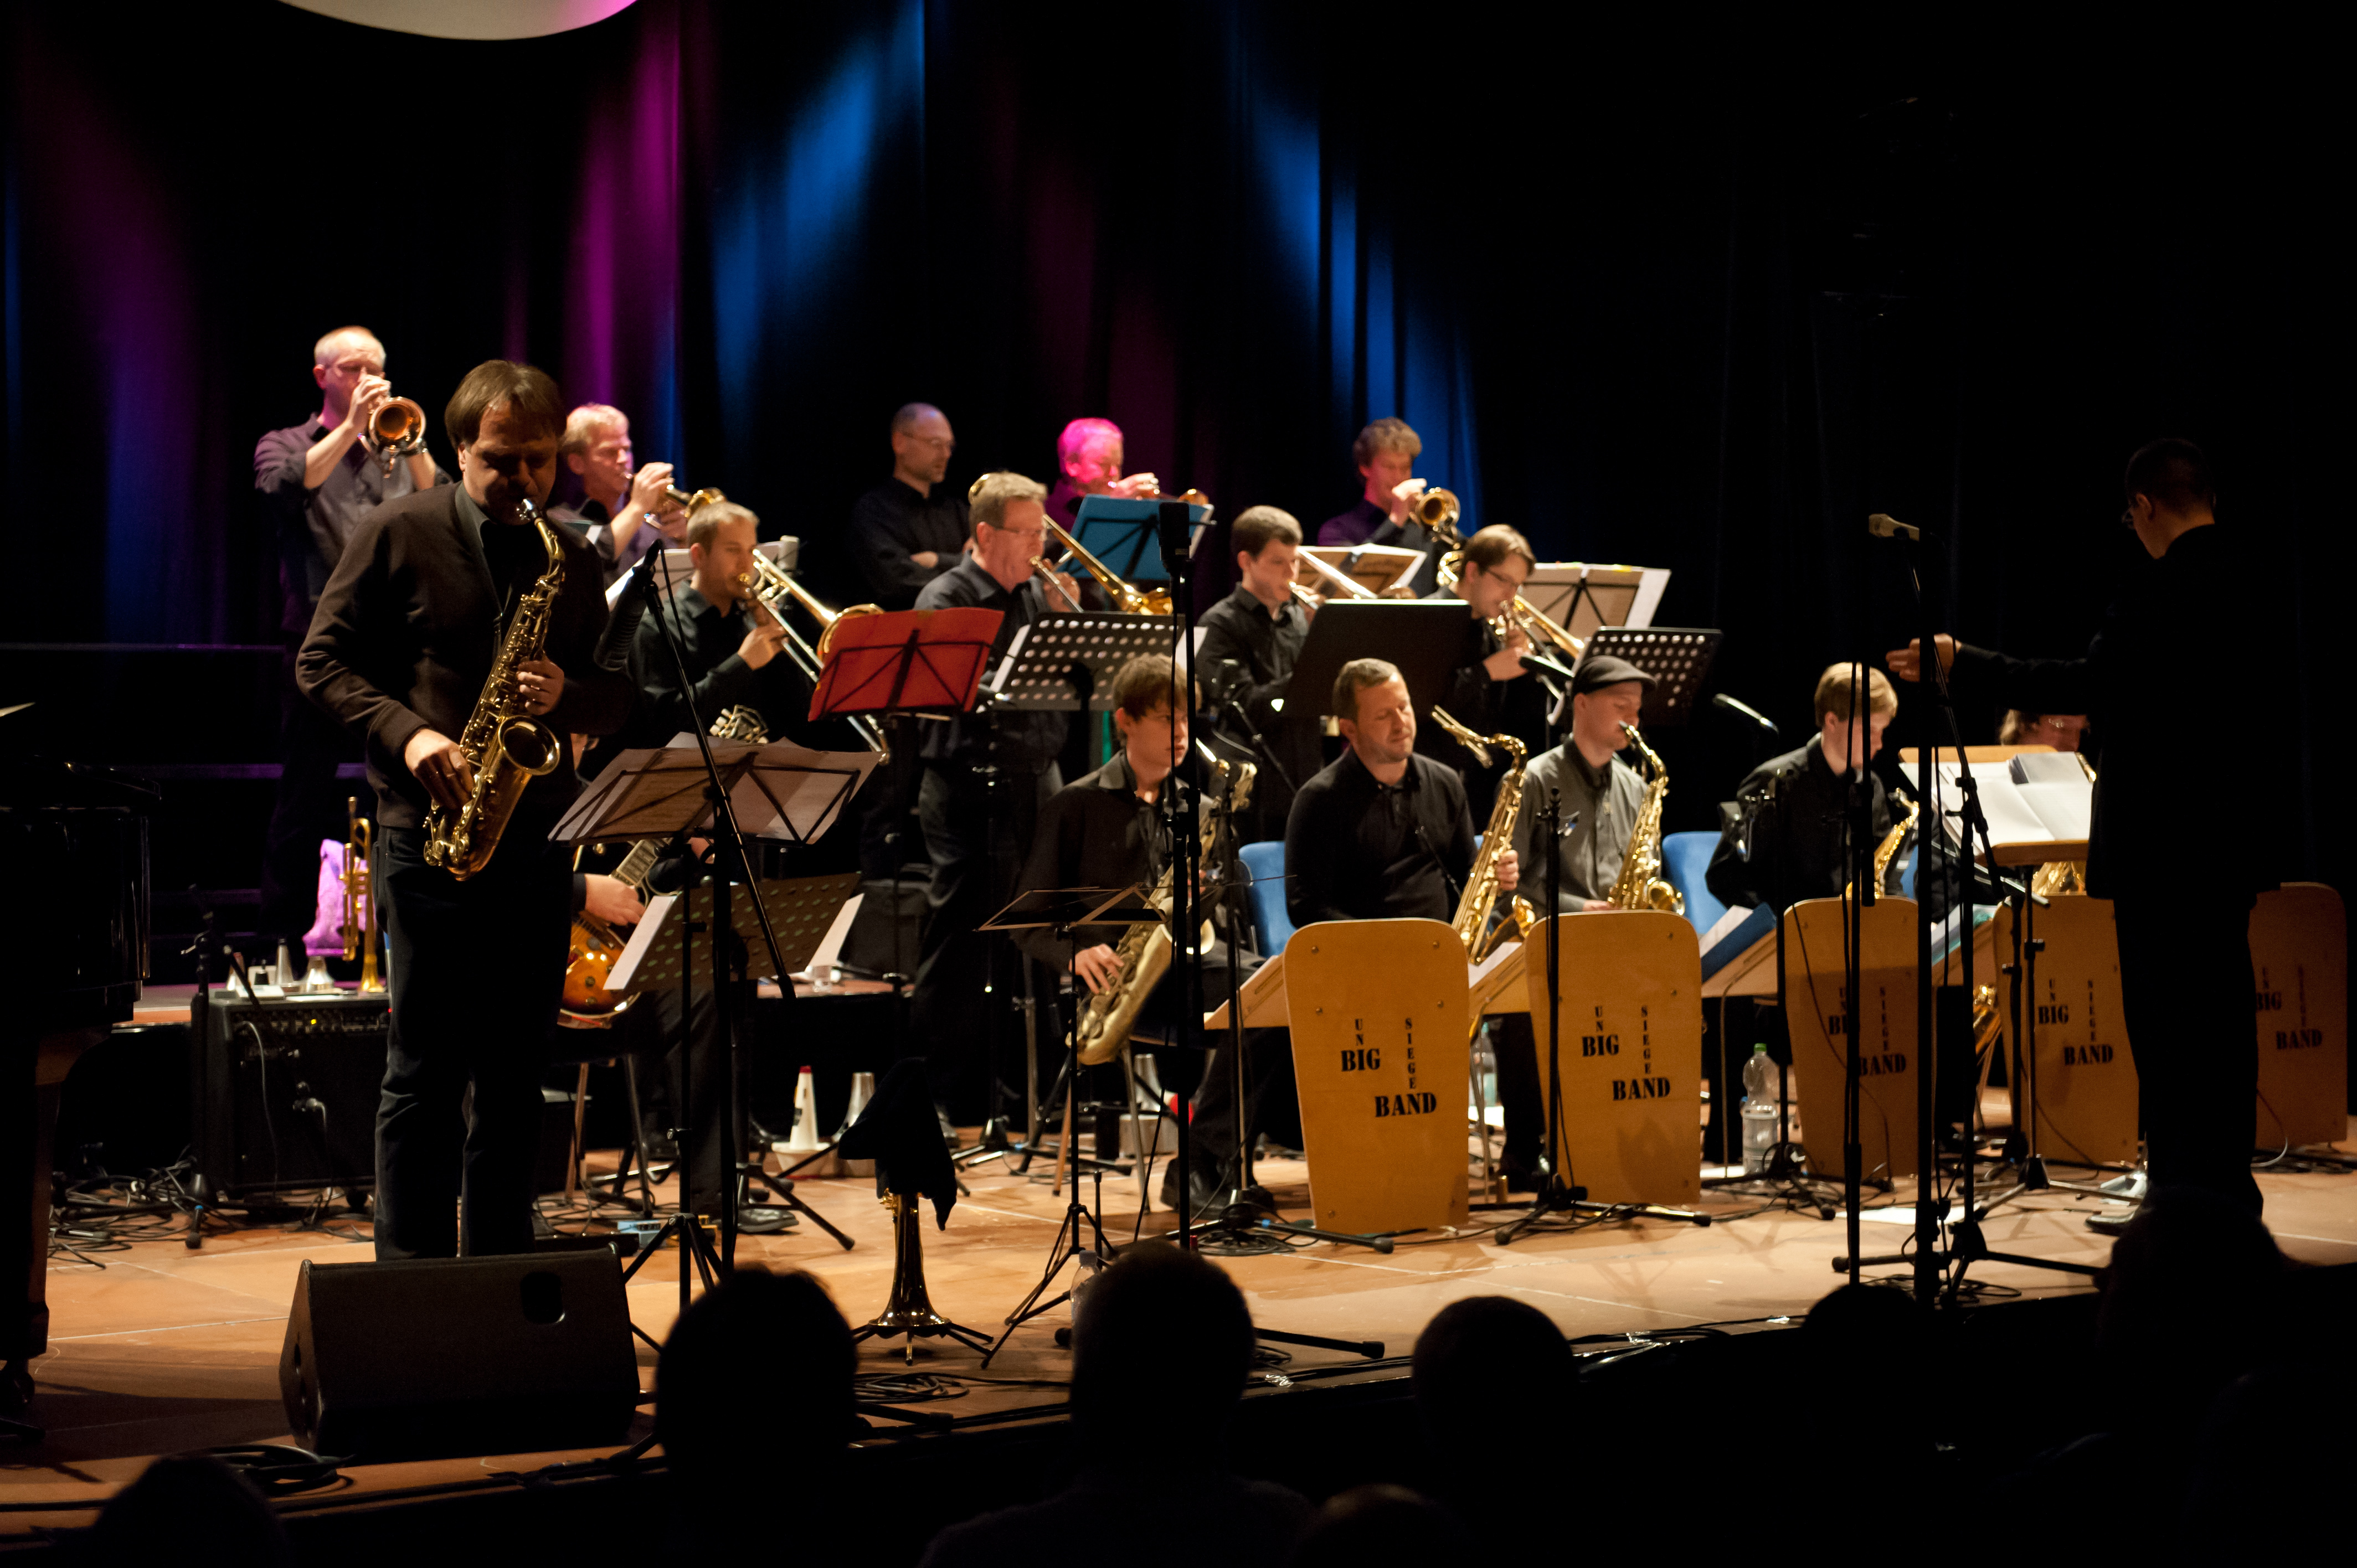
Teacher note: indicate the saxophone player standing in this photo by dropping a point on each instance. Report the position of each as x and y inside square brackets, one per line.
[400, 648]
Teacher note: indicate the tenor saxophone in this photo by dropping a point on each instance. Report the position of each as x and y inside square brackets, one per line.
[1640, 883]
[1472, 920]
[1144, 951]
[507, 748]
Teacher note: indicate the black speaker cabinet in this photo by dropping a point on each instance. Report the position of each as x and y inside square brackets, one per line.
[442, 1357]
[284, 1092]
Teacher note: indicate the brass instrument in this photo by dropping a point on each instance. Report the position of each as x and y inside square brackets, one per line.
[1128, 600]
[359, 927]
[1640, 883]
[1472, 920]
[1053, 580]
[1438, 510]
[506, 746]
[1106, 1017]
[595, 947]
[2062, 876]
[1888, 850]
[770, 586]
[1352, 587]
[395, 430]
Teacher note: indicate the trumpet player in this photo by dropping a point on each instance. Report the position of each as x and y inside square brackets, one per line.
[317, 479]
[729, 641]
[986, 777]
[1089, 454]
[1489, 691]
[624, 511]
[1251, 639]
[1385, 455]
[400, 649]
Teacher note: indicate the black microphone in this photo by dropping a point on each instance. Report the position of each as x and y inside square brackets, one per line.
[622, 623]
[1545, 666]
[1723, 701]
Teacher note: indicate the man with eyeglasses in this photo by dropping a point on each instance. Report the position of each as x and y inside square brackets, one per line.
[911, 529]
[986, 777]
[2185, 956]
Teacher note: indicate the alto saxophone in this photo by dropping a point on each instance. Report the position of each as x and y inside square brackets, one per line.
[1888, 850]
[1640, 883]
[1144, 951]
[507, 748]
[1472, 920]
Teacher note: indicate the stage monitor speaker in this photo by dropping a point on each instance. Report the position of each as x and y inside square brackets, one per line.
[441, 1357]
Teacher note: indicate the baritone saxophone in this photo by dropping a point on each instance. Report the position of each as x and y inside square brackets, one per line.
[506, 745]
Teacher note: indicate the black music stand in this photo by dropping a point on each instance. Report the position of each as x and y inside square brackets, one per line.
[1677, 658]
[1070, 911]
[789, 793]
[1066, 662]
[1422, 637]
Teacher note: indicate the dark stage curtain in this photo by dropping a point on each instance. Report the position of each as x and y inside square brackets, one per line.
[1697, 303]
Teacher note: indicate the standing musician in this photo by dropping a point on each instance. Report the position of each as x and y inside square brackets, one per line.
[1113, 829]
[625, 512]
[1383, 832]
[986, 777]
[911, 528]
[400, 647]
[1251, 639]
[1385, 453]
[1088, 456]
[2185, 963]
[317, 480]
[1489, 691]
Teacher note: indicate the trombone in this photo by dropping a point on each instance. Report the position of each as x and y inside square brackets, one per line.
[1438, 510]
[1129, 600]
[771, 585]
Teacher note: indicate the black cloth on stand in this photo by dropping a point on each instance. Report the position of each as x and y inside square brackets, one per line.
[891, 524]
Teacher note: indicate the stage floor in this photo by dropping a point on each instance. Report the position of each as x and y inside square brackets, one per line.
[156, 1348]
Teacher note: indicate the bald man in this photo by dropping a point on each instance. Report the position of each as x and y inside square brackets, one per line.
[317, 479]
[911, 528]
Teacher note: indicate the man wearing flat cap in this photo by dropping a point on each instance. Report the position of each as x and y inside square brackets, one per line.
[1600, 793]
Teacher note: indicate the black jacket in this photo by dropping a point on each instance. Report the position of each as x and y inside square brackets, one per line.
[410, 622]
[1358, 850]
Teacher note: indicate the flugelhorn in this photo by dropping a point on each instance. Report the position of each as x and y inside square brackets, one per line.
[396, 429]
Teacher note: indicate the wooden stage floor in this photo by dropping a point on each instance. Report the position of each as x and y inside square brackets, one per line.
[156, 1348]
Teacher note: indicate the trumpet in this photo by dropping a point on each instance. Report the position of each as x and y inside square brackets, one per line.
[360, 924]
[396, 429]
[1437, 510]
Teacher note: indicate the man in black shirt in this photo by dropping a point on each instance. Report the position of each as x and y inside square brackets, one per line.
[1790, 838]
[624, 513]
[1113, 829]
[317, 480]
[2186, 979]
[1250, 640]
[399, 650]
[1385, 453]
[1489, 690]
[910, 529]
[1383, 834]
[986, 776]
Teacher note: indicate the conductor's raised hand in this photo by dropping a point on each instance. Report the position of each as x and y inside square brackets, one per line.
[540, 684]
[436, 761]
[1099, 967]
[1907, 663]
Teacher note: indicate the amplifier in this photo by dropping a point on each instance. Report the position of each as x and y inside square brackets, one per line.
[284, 1092]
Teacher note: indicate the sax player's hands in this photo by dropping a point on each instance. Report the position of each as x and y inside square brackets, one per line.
[437, 762]
[540, 684]
[1509, 872]
[1098, 968]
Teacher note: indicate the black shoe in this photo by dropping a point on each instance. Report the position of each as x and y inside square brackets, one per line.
[1522, 1173]
[759, 1219]
[661, 1148]
[1203, 1185]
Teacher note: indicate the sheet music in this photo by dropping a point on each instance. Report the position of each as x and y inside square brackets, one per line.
[2013, 816]
[1735, 915]
[642, 941]
[1479, 973]
[829, 946]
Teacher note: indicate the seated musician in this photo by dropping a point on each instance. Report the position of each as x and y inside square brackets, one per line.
[2063, 732]
[1385, 454]
[1599, 794]
[1088, 457]
[623, 511]
[1789, 836]
[1111, 829]
[1489, 691]
[1251, 639]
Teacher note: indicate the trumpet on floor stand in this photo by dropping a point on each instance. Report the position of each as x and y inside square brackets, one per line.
[909, 1311]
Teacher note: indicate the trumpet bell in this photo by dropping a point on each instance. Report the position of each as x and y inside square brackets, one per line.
[398, 426]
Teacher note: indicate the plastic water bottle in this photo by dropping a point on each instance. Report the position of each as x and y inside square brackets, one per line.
[1759, 1110]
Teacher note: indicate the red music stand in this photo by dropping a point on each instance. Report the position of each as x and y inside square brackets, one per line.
[904, 662]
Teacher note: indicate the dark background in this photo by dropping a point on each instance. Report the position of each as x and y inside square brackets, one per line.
[1689, 301]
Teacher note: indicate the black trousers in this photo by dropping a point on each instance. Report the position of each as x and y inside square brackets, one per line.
[2186, 989]
[307, 806]
[976, 837]
[478, 969]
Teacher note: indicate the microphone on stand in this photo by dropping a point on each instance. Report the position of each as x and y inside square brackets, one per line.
[1723, 701]
[629, 608]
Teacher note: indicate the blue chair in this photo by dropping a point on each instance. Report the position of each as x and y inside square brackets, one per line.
[1684, 858]
[1264, 863]
[1907, 873]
